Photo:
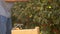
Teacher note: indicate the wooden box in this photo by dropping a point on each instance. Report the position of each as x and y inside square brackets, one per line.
[26, 31]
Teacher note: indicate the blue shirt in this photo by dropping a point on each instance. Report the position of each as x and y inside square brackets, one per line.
[5, 8]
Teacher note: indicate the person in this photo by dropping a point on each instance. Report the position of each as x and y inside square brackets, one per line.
[5, 17]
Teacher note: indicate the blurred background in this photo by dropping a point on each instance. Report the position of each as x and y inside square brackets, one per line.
[42, 13]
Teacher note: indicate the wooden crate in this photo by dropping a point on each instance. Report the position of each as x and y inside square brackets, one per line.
[26, 31]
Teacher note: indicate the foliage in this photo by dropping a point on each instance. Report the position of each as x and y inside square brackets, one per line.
[42, 13]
